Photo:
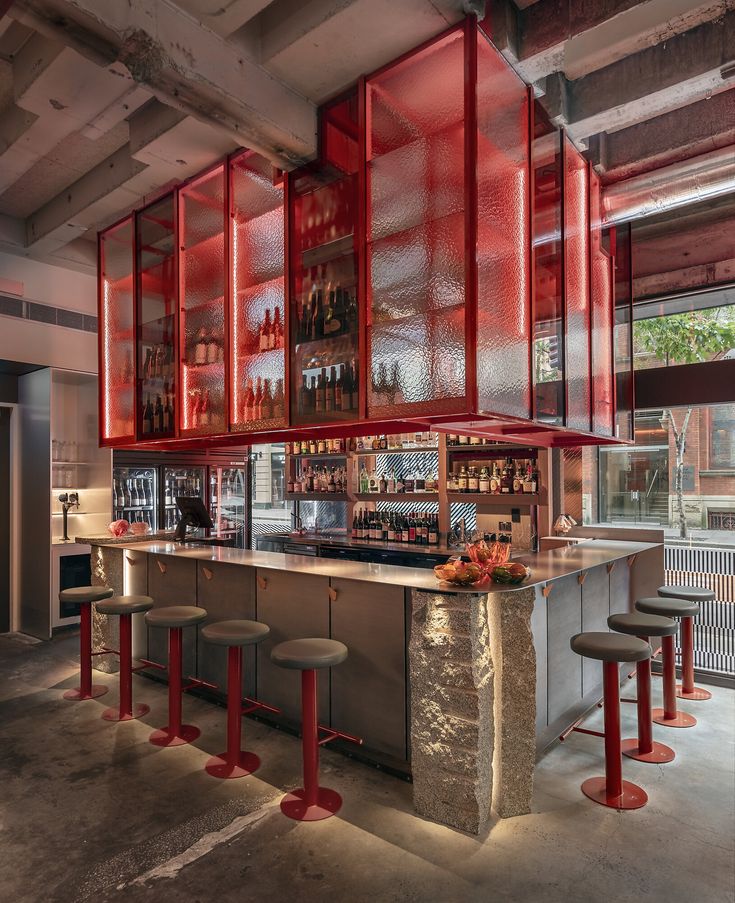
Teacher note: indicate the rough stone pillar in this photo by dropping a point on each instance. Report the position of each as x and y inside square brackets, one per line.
[107, 570]
[451, 678]
[514, 659]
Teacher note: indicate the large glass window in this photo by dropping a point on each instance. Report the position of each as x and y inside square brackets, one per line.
[681, 335]
[722, 437]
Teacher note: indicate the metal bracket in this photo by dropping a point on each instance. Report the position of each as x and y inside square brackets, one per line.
[631, 560]
[581, 577]
[546, 590]
[254, 705]
[147, 663]
[161, 566]
[262, 582]
[131, 561]
[195, 682]
[332, 734]
[208, 573]
[333, 594]
[610, 566]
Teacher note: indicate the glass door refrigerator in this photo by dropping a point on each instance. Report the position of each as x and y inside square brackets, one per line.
[135, 495]
[228, 502]
[184, 480]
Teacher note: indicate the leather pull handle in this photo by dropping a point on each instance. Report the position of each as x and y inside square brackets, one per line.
[610, 566]
[547, 589]
[631, 560]
[581, 577]
[207, 573]
[161, 566]
[262, 582]
[131, 561]
[333, 594]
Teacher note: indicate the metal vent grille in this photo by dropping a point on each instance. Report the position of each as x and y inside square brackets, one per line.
[45, 313]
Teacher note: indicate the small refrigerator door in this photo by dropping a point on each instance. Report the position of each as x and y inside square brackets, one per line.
[178, 481]
[135, 495]
[227, 502]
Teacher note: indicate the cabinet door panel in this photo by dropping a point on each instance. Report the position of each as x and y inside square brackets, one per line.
[293, 606]
[227, 591]
[620, 601]
[135, 582]
[369, 688]
[172, 581]
[564, 616]
[595, 611]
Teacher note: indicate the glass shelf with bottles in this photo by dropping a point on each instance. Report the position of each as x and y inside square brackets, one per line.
[313, 448]
[134, 499]
[417, 528]
[379, 484]
[505, 478]
[397, 443]
[315, 481]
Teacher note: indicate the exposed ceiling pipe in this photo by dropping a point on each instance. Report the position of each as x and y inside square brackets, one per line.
[677, 185]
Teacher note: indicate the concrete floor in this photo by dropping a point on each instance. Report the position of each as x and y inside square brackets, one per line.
[90, 811]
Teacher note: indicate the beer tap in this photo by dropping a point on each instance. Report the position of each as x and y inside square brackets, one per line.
[68, 500]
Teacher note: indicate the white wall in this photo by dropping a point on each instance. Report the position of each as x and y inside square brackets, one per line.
[41, 343]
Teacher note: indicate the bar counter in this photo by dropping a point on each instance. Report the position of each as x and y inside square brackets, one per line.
[461, 688]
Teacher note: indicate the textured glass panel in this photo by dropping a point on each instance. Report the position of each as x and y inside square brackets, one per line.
[620, 243]
[416, 232]
[503, 240]
[157, 300]
[602, 316]
[258, 314]
[117, 365]
[576, 279]
[548, 326]
[324, 314]
[203, 284]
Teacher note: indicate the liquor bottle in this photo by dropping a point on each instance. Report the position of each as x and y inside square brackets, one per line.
[517, 480]
[212, 349]
[205, 411]
[168, 497]
[318, 327]
[528, 479]
[495, 479]
[409, 483]
[475, 440]
[120, 495]
[462, 480]
[128, 500]
[158, 416]
[473, 481]
[484, 482]
[146, 364]
[463, 440]
[506, 478]
[330, 393]
[268, 401]
[147, 416]
[265, 329]
[321, 392]
[419, 482]
[434, 531]
[168, 413]
[200, 349]
[355, 527]
[196, 408]
[249, 402]
[148, 492]
[354, 379]
[258, 400]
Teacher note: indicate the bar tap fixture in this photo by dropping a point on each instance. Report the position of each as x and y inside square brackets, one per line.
[68, 500]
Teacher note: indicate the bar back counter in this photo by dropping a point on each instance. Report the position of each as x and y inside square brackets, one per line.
[459, 688]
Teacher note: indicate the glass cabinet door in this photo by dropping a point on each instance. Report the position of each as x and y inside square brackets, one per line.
[202, 276]
[117, 339]
[416, 232]
[601, 303]
[156, 299]
[227, 503]
[324, 316]
[177, 482]
[135, 495]
[257, 340]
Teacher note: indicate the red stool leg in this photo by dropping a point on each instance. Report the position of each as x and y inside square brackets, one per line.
[612, 790]
[310, 802]
[235, 763]
[687, 690]
[86, 689]
[668, 715]
[126, 710]
[175, 733]
[645, 748]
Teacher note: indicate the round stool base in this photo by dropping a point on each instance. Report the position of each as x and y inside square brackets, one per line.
[76, 693]
[696, 693]
[328, 802]
[116, 715]
[682, 719]
[632, 797]
[219, 767]
[660, 753]
[163, 737]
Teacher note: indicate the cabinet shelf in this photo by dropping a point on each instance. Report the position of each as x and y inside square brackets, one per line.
[316, 496]
[331, 250]
[397, 496]
[321, 456]
[417, 450]
[516, 500]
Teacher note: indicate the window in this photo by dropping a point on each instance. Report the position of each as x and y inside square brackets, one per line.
[722, 438]
[683, 334]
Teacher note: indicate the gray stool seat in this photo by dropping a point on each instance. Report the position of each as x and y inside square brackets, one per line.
[669, 608]
[688, 593]
[610, 647]
[638, 623]
[125, 605]
[175, 616]
[235, 633]
[307, 654]
[85, 594]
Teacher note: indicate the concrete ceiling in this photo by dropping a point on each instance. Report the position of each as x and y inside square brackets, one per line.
[102, 104]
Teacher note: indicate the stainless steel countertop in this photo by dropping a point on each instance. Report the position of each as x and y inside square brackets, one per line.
[545, 566]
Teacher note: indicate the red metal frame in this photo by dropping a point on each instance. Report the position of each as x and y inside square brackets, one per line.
[86, 689]
[644, 748]
[687, 690]
[126, 711]
[669, 715]
[234, 762]
[470, 210]
[175, 733]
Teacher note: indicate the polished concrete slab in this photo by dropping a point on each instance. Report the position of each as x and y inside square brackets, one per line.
[90, 811]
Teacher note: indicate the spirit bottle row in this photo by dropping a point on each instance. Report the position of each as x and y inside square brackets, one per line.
[326, 311]
[159, 362]
[207, 348]
[319, 479]
[262, 402]
[390, 484]
[201, 413]
[417, 440]
[499, 478]
[464, 440]
[158, 413]
[317, 446]
[420, 528]
[270, 333]
[329, 392]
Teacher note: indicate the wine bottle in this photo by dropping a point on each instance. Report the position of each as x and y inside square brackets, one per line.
[205, 411]
[147, 416]
[279, 402]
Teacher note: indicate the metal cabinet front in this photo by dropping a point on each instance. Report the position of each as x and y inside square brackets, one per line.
[227, 592]
[564, 619]
[294, 606]
[369, 688]
[172, 581]
[595, 611]
[135, 583]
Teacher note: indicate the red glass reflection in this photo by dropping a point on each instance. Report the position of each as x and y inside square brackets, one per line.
[619, 240]
[576, 283]
[117, 347]
[601, 275]
[416, 232]
[202, 271]
[503, 240]
[258, 299]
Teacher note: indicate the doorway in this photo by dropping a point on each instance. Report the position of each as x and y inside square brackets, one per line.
[5, 520]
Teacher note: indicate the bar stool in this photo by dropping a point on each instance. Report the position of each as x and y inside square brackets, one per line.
[694, 594]
[125, 607]
[611, 649]
[84, 596]
[669, 715]
[644, 748]
[311, 802]
[235, 762]
[175, 618]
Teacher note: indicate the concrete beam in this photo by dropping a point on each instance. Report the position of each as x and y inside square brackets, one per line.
[577, 37]
[655, 81]
[188, 67]
[223, 18]
[687, 132]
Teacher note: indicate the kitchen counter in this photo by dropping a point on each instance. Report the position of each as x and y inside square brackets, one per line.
[545, 566]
